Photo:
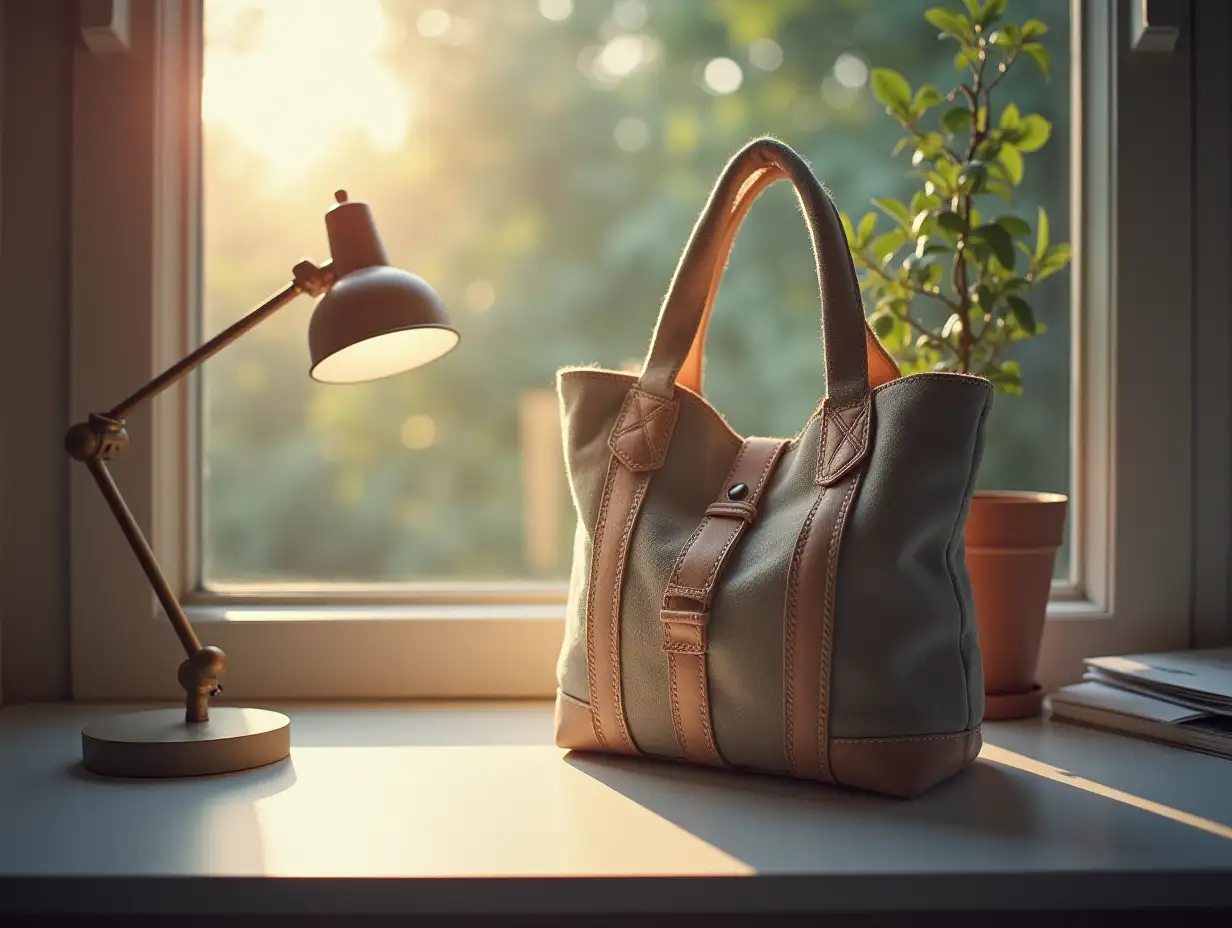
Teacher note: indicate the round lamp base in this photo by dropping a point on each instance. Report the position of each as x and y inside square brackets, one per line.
[159, 743]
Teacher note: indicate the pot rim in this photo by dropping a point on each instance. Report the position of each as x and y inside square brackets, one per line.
[1021, 496]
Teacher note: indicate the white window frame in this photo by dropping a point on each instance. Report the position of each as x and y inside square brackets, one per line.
[135, 258]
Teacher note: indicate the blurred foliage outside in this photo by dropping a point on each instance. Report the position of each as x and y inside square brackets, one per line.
[541, 163]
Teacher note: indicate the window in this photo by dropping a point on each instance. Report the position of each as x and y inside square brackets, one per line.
[541, 162]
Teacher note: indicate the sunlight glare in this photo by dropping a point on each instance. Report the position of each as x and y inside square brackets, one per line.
[766, 54]
[622, 56]
[556, 10]
[1009, 758]
[851, 70]
[722, 76]
[432, 23]
[289, 77]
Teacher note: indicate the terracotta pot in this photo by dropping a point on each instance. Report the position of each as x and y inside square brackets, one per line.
[1012, 540]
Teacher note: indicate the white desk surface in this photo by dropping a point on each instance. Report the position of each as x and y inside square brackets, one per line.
[453, 800]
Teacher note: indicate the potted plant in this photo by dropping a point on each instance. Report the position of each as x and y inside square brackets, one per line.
[949, 282]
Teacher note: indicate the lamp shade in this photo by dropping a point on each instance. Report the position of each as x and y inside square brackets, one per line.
[375, 321]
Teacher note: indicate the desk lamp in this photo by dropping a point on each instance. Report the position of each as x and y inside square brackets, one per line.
[372, 321]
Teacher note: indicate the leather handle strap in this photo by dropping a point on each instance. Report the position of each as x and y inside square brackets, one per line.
[681, 320]
[881, 367]
[685, 614]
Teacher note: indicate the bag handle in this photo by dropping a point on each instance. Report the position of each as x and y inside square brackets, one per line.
[850, 345]
[882, 368]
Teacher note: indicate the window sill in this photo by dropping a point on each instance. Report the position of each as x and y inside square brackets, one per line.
[467, 808]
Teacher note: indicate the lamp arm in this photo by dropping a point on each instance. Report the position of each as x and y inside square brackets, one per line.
[103, 437]
[308, 279]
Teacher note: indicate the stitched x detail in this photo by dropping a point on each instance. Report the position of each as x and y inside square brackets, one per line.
[842, 443]
[643, 431]
[848, 434]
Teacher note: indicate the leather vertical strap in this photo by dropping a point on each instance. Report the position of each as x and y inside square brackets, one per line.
[622, 499]
[639, 443]
[809, 628]
[686, 601]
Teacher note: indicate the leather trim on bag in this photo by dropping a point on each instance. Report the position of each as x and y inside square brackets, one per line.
[809, 629]
[623, 492]
[643, 431]
[844, 439]
[905, 766]
[574, 728]
[686, 601]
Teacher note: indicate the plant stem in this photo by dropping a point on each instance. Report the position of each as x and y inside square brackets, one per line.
[914, 288]
[975, 95]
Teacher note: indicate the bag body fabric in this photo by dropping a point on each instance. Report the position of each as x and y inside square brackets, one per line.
[793, 606]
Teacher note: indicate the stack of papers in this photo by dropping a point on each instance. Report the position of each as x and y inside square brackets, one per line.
[1182, 698]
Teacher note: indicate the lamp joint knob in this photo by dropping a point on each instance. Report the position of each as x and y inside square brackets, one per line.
[313, 280]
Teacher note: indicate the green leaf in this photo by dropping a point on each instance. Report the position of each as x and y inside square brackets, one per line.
[922, 201]
[951, 23]
[950, 221]
[999, 241]
[1018, 335]
[901, 144]
[1006, 377]
[973, 7]
[892, 208]
[965, 60]
[988, 149]
[973, 177]
[847, 230]
[956, 120]
[1033, 29]
[884, 246]
[993, 10]
[1003, 38]
[1013, 225]
[1041, 235]
[1010, 116]
[867, 226]
[892, 89]
[929, 147]
[1011, 160]
[883, 324]
[1054, 260]
[925, 96]
[1000, 189]
[1035, 130]
[1041, 57]
[1021, 310]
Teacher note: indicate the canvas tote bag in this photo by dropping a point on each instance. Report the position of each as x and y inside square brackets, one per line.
[795, 606]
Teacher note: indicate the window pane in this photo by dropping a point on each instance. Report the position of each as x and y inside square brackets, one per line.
[541, 163]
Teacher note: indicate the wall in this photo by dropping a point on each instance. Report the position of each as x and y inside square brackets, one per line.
[1212, 193]
[3, 38]
[39, 39]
